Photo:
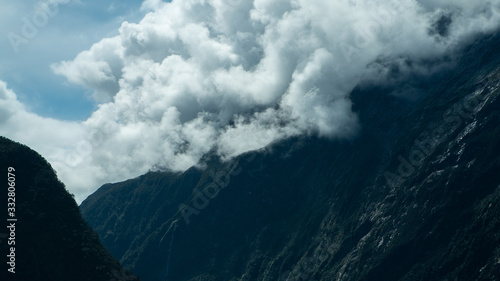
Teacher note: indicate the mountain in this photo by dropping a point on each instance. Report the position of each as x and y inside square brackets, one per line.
[43, 235]
[413, 197]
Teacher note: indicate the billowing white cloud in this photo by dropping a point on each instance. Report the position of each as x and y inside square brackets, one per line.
[235, 75]
[97, 69]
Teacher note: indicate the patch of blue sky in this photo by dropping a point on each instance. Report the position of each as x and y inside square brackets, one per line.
[71, 28]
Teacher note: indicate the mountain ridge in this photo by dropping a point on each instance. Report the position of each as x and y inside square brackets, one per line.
[51, 239]
[412, 197]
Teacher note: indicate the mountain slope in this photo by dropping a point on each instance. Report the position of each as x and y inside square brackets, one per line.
[413, 197]
[50, 240]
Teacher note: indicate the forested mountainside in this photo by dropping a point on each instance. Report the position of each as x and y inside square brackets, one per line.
[415, 196]
[44, 236]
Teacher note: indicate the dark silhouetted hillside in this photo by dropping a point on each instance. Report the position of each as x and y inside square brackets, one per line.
[52, 241]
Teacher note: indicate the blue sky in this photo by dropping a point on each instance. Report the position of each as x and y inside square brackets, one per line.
[74, 28]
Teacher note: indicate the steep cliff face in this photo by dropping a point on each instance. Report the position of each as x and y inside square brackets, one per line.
[413, 197]
[43, 235]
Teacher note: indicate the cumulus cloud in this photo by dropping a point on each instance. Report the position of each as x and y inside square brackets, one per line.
[233, 75]
[97, 69]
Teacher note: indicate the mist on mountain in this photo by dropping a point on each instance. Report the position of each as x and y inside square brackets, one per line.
[414, 196]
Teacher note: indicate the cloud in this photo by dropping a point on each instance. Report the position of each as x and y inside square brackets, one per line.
[18, 123]
[233, 75]
[97, 69]
[151, 5]
[51, 138]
